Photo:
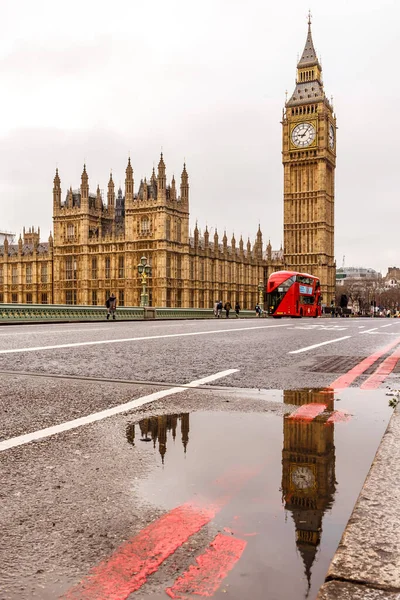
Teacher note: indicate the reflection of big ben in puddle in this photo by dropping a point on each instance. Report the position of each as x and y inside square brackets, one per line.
[153, 429]
[308, 478]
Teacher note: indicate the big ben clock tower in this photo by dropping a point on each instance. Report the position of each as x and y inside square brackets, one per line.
[309, 159]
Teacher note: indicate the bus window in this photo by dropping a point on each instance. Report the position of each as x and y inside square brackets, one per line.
[306, 280]
[307, 299]
[275, 297]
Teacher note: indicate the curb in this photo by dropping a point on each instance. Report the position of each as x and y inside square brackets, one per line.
[366, 564]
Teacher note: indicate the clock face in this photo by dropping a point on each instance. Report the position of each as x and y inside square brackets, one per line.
[303, 135]
[331, 136]
[303, 478]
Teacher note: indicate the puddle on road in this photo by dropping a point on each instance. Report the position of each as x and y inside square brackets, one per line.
[289, 484]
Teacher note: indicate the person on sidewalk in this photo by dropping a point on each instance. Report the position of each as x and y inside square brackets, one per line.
[111, 304]
[237, 309]
[216, 309]
[227, 308]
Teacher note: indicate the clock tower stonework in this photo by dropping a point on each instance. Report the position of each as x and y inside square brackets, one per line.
[309, 160]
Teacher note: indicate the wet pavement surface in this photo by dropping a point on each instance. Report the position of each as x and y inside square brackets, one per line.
[233, 489]
[183, 351]
[284, 489]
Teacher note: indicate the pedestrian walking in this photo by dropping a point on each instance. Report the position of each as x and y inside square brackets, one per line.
[237, 309]
[219, 309]
[227, 308]
[258, 310]
[216, 309]
[111, 304]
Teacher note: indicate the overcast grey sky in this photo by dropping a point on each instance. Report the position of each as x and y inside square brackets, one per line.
[96, 81]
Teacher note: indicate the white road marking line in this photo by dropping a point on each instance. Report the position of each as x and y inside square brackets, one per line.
[384, 333]
[110, 412]
[135, 339]
[29, 330]
[322, 328]
[51, 332]
[368, 330]
[390, 324]
[361, 326]
[346, 337]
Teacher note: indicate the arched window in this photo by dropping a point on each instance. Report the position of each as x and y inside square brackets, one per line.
[178, 231]
[168, 229]
[145, 225]
[70, 231]
[107, 269]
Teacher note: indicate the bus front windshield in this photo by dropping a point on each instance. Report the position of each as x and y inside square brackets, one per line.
[276, 296]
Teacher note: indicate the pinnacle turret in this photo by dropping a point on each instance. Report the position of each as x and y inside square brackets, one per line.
[309, 57]
[84, 177]
[309, 87]
[99, 201]
[225, 241]
[56, 191]
[216, 240]
[129, 183]
[173, 188]
[57, 180]
[84, 188]
[184, 185]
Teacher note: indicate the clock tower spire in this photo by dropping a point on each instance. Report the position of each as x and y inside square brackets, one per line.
[309, 160]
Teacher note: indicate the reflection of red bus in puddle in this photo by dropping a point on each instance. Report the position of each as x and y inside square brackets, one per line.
[291, 294]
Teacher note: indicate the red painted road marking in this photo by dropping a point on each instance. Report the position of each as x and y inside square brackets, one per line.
[339, 417]
[307, 412]
[382, 371]
[128, 568]
[345, 380]
[204, 578]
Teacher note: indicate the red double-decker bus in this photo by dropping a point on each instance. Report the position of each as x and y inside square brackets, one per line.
[292, 294]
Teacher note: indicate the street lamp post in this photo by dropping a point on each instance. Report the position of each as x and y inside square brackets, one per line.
[144, 271]
[261, 295]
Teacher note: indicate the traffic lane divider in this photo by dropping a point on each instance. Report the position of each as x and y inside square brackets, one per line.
[129, 567]
[204, 578]
[339, 416]
[131, 564]
[307, 412]
[382, 371]
[345, 380]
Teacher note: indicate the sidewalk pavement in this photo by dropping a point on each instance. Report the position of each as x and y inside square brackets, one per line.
[366, 565]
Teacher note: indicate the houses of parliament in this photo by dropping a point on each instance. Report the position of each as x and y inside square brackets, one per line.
[97, 242]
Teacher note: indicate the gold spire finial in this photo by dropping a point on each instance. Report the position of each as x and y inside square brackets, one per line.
[309, 18]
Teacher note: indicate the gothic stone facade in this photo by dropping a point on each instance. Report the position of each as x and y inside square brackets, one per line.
[309, 160]
[97, 247]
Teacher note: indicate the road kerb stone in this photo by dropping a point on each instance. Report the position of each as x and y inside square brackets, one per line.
[338, 590]
[369, 551]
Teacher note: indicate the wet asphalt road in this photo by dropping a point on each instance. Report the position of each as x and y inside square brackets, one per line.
[70, 500]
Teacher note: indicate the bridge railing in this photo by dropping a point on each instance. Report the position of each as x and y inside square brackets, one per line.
[44, 313]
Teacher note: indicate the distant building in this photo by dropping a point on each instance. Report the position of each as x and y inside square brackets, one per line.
[392, 279]
[354, 275]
